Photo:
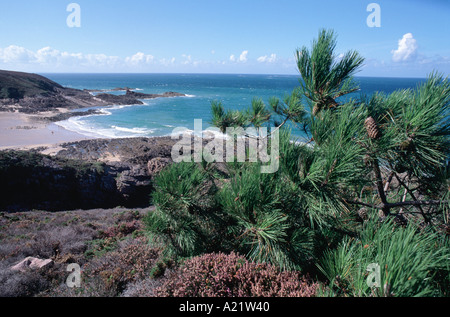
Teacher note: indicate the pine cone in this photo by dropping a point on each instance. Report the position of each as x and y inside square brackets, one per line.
[372, 128]
[363, 214]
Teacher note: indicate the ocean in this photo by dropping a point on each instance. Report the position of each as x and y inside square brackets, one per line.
[159, 117]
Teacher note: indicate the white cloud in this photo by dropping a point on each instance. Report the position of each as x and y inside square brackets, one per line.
[47, 55]
[16, 54]
[99, 60]
[167, 62]
[53, 58]
[139, 59]
[407, 49]
[243, 56]
[50, 58]
[267, 59]
[187, 59]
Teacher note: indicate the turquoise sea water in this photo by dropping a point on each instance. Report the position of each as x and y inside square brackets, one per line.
[159, 117]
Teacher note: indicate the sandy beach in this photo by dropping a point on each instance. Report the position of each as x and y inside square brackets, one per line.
[25, 131]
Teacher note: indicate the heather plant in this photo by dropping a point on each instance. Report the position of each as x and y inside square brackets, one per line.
[121, 230]
[132, 260]
[98, 240]
[221, 275]
[23, 284]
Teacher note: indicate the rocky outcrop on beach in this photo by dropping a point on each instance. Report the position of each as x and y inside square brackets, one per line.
[108, 90]
[18, 85]
[118, 99]
[127, 150]
[133, 98]
[32, 93]
[133, 162]
[139, 95]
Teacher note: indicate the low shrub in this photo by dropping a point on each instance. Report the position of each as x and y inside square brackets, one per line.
[114, 270]
[121, 230]
[21, 284]
[221, 275]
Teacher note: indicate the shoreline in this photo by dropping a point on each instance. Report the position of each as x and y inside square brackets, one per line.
[19, 131]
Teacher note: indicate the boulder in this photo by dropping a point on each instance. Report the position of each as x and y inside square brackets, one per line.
[134, 185]
[157, 164]
[32, 263]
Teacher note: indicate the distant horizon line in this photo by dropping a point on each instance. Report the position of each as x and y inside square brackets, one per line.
[191, 73]
[231, 74]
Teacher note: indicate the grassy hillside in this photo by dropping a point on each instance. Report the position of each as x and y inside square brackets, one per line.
[17, 85]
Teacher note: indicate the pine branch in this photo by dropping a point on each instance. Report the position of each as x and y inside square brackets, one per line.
[380, 188]
[269, 134]
[399, 204]
[413, 197]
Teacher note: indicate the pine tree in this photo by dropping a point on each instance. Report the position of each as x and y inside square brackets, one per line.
[382, 157]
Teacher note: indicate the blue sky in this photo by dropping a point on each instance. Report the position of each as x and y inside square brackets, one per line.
[220, 36]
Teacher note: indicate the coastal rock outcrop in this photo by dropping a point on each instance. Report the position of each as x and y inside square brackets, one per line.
[119, 99]
[140, 95]
[32, 93]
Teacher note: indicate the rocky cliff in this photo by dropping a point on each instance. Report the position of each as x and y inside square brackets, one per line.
[85, 175]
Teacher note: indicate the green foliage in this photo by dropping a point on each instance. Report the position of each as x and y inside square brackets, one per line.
[258, 114]
[183, 199]
[409, 259]
[226, 119]
[369, 165]
[415, 125]
[326, 78]
[267, 228]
